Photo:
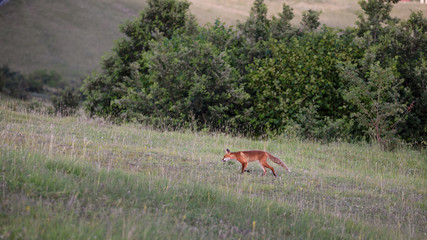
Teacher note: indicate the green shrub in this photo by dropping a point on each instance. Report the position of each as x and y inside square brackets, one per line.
[66, 102]
[13, 83]
[300, 73]
[40, 78]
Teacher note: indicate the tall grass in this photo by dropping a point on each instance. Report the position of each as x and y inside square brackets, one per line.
[78, 178]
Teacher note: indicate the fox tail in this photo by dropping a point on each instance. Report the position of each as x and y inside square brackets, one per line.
[278, 161]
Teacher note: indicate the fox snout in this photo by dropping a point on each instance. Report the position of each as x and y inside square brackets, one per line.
[227, 156]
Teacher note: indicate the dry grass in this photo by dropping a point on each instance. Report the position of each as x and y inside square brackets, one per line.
[335, 13]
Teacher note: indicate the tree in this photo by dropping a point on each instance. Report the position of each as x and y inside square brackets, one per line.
[376, 95]
[406, 43]
[378, 13]
[281, 27]
[257, 26]
[310, 20]
[124, 70]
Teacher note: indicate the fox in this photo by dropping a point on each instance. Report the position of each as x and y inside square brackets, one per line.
[245, 157]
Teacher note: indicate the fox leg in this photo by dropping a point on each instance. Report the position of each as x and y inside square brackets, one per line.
[265, 171]
[263, 163]
[244, 165]
[263, 168]
[272, 169]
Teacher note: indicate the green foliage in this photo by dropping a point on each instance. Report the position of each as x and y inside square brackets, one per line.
[376, 98]
[13, 83]
[66, 102]
[122, 68]
[40, 78]
[408, 44]
[281, 27]
[301, 73]
[39, 82]
[310, 20]
[257, 26]
[163, 17]
[378, 13]
[308, 124]
[191, 80]
[401, 46]
[252, 36]
[266, 76]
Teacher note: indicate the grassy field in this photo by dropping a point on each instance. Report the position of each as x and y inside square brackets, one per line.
[81, 178]
[71, 36]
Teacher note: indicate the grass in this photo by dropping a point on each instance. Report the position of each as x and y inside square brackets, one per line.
[71, 36]
[78, 178]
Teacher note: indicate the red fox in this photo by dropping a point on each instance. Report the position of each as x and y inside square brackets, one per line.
[245, 157]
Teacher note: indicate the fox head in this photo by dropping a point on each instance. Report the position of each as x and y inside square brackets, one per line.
[228, 156]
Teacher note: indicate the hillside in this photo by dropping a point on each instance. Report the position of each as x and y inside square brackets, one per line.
[335, 13]
[70, 36]
[67, 36]
[80, 178]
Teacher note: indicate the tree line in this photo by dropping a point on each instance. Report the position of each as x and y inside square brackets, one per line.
[266, 76]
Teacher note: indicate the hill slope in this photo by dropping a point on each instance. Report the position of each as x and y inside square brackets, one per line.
[335, 13]
[70, 36]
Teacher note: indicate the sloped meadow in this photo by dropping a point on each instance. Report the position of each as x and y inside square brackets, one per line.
[81, 178]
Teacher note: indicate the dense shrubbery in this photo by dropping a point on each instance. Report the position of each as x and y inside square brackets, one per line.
[268, 77]
[301, 72]
[17, 85]
[13, 83]
[43, 84]
[66, 102]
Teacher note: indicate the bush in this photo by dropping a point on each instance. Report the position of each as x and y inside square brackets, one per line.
[66, 102]
[13, 83]
[192, 81]
[300, 73]
[309, 125]
[40, 78]
[39, 82]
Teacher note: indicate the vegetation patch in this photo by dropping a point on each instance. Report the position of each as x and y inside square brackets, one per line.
[266, 77]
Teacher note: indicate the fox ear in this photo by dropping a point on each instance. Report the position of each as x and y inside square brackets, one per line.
[227, 151]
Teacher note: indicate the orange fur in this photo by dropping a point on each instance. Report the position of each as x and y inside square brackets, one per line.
[245, 157]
